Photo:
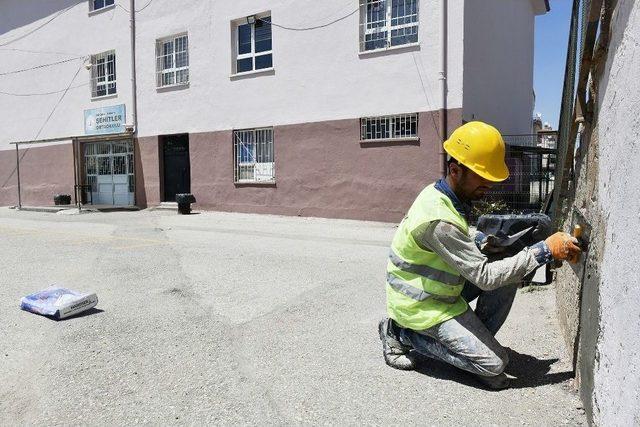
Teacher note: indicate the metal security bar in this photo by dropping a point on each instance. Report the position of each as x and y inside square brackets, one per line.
[108, 159]
[172, 61]
[532, 174]
[253, 155]
[103, 74]
[402, 126]
[388, 23]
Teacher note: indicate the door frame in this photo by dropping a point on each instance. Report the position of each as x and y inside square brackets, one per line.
[161, 146]
[80, 164]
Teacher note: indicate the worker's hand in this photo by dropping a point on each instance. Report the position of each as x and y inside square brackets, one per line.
[564, 247]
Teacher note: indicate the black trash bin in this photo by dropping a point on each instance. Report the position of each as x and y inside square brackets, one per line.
[62, 199]
[184, 201]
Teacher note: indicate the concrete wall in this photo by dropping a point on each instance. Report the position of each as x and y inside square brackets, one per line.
[498, 63]
[44, 172]
[318, 75]
[322, 169]
[598, 299]
[73, 33]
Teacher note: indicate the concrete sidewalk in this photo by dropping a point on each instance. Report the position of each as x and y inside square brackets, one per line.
[224, 318]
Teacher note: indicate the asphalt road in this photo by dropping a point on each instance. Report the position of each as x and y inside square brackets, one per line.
[225, 318]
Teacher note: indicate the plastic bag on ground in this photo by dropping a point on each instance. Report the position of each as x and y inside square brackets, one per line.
[58, 302]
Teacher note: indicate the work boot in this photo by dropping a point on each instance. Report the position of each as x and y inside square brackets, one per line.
[498, 382]
[396, 354]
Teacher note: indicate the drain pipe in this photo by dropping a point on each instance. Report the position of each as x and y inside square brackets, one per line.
[134, 100]
[18, 175]
[443, 86]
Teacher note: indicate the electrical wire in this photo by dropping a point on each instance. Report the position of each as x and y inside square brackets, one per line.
[37, 67]
[137, 10]
[42, 93]
[13, 49]
[42, 25]
[58, 103]
[308, 28]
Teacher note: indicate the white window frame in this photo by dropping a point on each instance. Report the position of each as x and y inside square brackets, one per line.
[389, 123]
[388, 26]
[92, 7]
[261, 171]
[162, 72]
[253, 54]
[96, 83]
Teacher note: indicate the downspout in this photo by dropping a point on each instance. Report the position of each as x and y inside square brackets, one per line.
[134, 98]
[18, 175]
[443, 86]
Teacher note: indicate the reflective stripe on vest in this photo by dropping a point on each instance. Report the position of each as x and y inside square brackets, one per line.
[424, 270]
[414, 293]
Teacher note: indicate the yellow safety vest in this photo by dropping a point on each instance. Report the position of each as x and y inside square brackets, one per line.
[422, 289]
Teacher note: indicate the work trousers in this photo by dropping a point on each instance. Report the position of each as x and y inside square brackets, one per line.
[467, 341]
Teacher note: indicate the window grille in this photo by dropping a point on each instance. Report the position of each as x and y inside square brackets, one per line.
[253, 45]
[108, 158]
[253, 155]
[100, 4]
[172, 61]
[403, 126]
[103, 74]
[388, 23]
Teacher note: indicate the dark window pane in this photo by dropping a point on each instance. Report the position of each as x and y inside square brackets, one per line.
[375, 41]
[404, 36]
[244, 39]
[98, 4]
[264, 61]
[263, 34]
[108, 2]
[244, 65]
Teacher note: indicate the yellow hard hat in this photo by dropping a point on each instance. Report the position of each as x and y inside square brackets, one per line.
[479, 147]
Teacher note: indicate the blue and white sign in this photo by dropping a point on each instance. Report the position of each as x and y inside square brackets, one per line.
[99, 121]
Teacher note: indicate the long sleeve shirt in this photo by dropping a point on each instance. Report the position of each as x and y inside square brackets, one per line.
[461, 252]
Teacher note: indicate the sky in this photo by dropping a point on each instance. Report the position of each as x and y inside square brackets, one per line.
[552, 31]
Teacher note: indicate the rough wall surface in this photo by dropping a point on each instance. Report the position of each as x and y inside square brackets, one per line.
[617, 373]
[598, 298]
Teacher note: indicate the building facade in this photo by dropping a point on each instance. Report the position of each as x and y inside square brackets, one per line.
[332, 108]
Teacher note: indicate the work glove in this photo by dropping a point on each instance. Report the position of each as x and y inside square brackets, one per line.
[564, 247]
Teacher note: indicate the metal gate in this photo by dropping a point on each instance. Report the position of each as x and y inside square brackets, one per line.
[532, 164]
[109, 170]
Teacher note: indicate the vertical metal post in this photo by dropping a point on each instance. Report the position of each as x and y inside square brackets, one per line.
[18, 175]
[443, 84]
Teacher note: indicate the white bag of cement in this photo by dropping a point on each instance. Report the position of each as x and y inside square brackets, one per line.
[58, 302]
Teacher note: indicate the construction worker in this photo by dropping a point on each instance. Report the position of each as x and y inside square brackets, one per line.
[436, 268]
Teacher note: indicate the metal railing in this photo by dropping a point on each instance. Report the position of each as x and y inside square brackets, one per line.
[532, 165]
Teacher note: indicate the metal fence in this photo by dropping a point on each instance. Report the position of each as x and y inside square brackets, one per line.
[532, 164]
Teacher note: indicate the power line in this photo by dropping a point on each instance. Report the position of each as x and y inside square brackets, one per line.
[13, 49]
[58, 103]
[40, 26]
[137, 10]
[308, 28]
[41, 66]
[42, 93]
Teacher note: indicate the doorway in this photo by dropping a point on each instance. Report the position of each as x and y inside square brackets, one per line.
[109, 171]
[176, 166]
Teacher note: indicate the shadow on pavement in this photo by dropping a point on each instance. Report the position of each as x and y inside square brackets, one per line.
[83, 314]
[528, 371]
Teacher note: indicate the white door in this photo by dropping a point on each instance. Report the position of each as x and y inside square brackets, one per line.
[109, 169]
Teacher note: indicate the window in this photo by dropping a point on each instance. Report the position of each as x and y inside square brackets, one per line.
[403, 126]
[388, 23]
[253, 155]
[253, 44]
[100, 4]
[103, 74]
[172, 61]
